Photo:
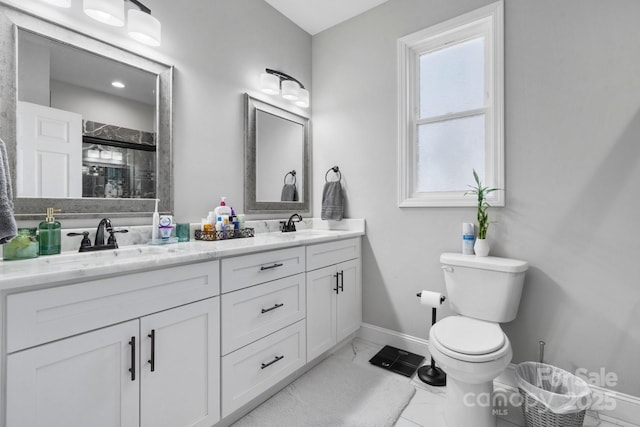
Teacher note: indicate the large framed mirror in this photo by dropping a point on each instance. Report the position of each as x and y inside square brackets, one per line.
[276, 159]
[74, 140]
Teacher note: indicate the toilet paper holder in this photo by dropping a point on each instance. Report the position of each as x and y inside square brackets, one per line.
[442, 299]
[431, 374]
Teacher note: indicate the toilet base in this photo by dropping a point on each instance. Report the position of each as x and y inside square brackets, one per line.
[469, 404]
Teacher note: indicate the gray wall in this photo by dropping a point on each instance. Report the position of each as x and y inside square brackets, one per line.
[572, 173]
[218, 48]
[102, 107]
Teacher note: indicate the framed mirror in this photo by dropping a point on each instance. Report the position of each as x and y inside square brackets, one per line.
[75, 141]
[276, 159]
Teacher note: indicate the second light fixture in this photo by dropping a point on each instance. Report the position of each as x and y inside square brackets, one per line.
[276, 82]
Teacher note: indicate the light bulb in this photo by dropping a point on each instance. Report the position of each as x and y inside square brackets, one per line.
[269, 83]
[110, 12]
[143, 27]
[290, 90]
[303, 98]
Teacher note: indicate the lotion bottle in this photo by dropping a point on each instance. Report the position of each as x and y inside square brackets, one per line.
[468, 237]
[49, 234]
[223, 209]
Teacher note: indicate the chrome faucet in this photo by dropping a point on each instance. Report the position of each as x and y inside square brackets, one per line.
[290, 225]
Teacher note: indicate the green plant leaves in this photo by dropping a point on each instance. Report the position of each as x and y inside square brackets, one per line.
[481, 193]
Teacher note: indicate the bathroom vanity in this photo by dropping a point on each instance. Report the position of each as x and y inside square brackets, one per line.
[190, 334]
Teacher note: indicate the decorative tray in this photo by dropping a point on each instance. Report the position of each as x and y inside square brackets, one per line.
[224, 235]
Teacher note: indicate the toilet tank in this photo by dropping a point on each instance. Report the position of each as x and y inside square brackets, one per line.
[485, 288]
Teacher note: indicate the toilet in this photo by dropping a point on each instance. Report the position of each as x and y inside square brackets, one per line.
[470, 346]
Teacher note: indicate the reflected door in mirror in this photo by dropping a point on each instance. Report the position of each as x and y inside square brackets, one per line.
[49, 162]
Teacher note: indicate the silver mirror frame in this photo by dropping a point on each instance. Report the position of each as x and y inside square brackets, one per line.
[251, 205]
[33, 208]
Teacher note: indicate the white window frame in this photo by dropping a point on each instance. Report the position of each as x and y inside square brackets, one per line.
[487, 21]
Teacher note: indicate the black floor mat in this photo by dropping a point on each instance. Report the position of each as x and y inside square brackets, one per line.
[396, 360]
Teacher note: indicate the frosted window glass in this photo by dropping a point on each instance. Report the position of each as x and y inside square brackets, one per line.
[452, 79]
[447, 152]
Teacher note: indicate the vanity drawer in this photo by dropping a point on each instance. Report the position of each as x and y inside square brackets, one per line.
[41, 316]
[253, 369]
[324, 254]
[252, 313]
[248, 270]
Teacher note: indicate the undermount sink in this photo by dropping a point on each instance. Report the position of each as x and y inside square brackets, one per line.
[313, 232]
[84, 257]
[302, 234]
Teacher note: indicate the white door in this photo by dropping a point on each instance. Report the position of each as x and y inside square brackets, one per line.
[349, 299]
[321, 311]
[80, 381]
[180, 366]
[49, 152]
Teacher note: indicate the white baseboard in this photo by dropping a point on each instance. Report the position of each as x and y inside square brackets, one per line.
[613, 407]
[384, 336]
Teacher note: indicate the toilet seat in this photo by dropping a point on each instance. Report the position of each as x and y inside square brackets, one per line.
[468, 339]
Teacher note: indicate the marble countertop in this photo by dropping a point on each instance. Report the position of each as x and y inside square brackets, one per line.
[73, 267]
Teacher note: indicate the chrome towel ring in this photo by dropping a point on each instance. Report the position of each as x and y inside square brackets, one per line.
[336, 170]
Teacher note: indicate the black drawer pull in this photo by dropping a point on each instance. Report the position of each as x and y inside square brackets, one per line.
[341, 274]
[266, 365]
[152, 361]
[132, 369]
[266, 310]
[271, 266]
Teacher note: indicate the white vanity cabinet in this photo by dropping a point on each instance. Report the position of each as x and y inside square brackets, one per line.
[263, 326]
[334, 294]
[78, 381]
[196, 343]
[111, 363]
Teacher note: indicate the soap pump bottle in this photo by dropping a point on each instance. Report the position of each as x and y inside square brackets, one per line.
[155, 223]
[49, 232]
[223, 209]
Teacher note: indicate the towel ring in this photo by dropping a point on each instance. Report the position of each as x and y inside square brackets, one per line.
[293, 174]
[335, 169]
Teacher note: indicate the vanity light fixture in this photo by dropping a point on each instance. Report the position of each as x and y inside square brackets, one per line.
[275, 82]
[141, 26]
[59, 3]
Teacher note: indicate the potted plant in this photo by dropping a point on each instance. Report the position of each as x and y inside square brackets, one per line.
[481, 246]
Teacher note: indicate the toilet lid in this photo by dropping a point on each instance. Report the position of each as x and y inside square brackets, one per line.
[469, 336]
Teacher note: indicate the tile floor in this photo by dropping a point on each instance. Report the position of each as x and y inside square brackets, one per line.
[426, 406]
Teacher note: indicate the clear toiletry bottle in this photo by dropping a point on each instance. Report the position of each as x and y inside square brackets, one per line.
[49, 234]
[468, 238]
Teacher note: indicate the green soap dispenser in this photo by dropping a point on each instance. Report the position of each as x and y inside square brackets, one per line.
[49, 232]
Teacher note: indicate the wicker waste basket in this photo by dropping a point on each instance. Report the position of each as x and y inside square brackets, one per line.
[552, 397]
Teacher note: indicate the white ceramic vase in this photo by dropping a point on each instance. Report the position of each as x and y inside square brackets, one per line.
[481, 247]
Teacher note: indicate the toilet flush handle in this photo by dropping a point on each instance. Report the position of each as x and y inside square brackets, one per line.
[447, 268]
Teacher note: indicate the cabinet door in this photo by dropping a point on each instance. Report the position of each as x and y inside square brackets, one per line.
[349, 300]
[180, 366]
[321, 311]
[76, 382]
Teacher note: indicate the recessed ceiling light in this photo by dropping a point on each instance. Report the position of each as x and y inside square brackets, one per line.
[118, 84]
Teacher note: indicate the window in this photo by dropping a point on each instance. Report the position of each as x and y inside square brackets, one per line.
[451, 118]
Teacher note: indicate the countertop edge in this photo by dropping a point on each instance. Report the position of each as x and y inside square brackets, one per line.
[40, 276]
